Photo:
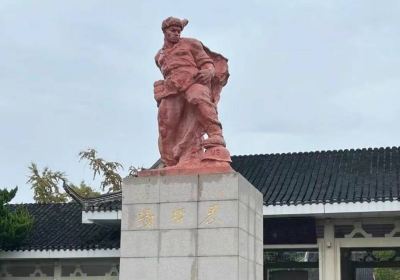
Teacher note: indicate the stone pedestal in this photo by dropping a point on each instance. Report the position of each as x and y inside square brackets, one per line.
[192, 227]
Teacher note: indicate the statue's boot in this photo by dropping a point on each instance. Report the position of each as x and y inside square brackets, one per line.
[216, 154]
[215, 137]
[213, 128]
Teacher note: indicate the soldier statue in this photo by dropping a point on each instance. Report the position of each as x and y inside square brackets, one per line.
[190, 134]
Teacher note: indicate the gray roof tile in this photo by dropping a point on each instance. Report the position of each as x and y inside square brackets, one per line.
[324, 177]
[58, 226]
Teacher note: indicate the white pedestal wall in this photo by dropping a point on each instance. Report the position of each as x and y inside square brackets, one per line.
[192, 227]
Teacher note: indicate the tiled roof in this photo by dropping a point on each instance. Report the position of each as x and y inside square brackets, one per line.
[324, 177]
[59, 226]
[296, 178]
[312, 177]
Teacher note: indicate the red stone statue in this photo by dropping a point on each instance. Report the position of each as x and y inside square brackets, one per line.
[190, 134]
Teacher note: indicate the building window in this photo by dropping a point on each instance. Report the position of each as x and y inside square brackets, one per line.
[288, 264]
[370, 263]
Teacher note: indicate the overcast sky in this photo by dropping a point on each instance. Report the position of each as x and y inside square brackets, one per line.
[305, 75]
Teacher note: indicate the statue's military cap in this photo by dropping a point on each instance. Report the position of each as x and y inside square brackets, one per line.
[172, 21]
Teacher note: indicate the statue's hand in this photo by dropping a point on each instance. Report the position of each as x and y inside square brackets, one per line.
[204, 76]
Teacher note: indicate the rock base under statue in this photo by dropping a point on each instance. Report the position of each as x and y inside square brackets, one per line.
[213, 160]
[194, 227]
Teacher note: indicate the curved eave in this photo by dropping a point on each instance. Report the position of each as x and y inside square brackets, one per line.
[104, 202]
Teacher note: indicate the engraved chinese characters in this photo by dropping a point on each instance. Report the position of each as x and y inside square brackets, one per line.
[178, 215]
[146, 217]
[212, 214]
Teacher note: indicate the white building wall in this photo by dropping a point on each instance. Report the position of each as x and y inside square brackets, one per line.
[74, 269]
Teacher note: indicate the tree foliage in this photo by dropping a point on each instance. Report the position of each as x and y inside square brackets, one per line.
[109, 170]
[386, 273]
[47, 188]
[45, 185]
[14, 225]
[85, 190]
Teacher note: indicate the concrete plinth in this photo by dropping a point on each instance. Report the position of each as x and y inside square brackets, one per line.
[192, 227]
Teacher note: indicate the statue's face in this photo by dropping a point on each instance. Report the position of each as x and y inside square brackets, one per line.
[172, 34]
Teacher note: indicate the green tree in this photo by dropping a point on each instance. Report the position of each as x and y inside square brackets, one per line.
[386, 273]
[109, 170]
[14, 225]
[85, 190]
[45, 185]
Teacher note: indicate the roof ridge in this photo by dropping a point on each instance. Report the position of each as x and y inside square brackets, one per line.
[41, 203]
[322, 151]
